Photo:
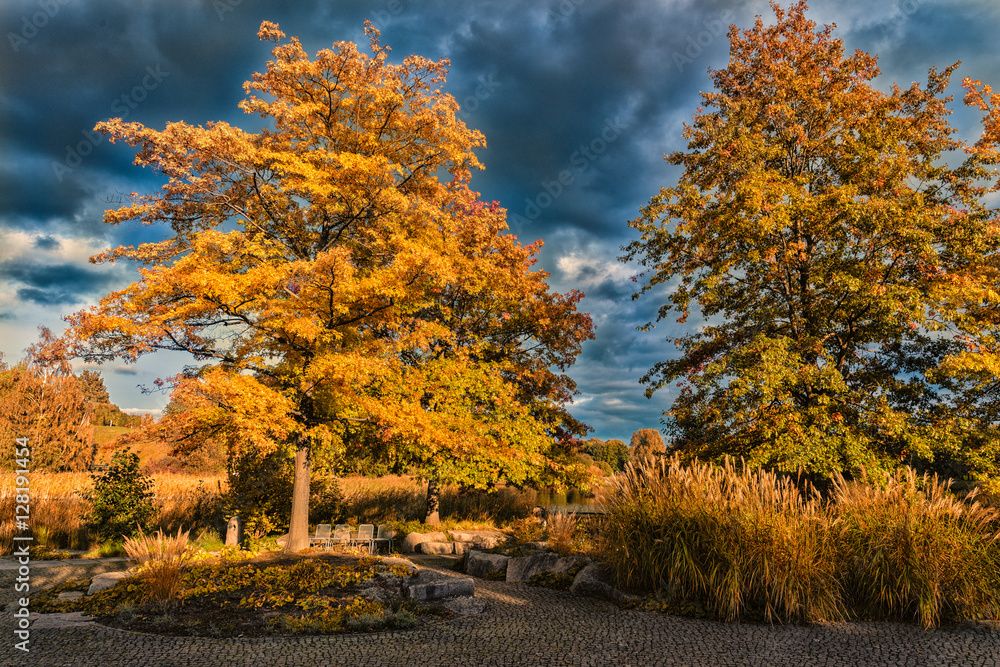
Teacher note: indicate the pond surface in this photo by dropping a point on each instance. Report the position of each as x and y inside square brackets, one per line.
[571, 500]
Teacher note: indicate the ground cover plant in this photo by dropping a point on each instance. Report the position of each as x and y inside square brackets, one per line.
[733, 542]
[247, 596]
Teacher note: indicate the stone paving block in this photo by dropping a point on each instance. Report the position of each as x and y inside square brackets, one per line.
[106, 580]
[479, 564]
[464, 604]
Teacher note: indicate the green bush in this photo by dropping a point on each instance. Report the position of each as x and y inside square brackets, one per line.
[122, 498]
[260, 493]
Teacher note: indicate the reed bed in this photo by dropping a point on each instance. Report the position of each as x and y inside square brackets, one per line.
[58, 509]
[749, 542]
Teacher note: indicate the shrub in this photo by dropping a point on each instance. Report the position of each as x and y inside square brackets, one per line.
[121, 499]
[260, 492]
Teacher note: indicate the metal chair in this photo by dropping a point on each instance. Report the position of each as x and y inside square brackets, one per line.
[341, 535]
[366, 537]
[322, 535]
[385, 533]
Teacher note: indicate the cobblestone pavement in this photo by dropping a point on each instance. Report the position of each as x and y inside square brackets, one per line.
[522, 626]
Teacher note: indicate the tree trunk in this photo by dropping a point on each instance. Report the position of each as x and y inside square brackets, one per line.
[433, 501]
[298, 529]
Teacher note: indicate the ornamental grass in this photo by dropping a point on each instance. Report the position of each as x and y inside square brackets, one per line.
[750, 543]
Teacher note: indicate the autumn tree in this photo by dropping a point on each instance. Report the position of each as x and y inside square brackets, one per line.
[844, 271]
[646, 445]
[328, 280]
[613, 452]
[46, 405]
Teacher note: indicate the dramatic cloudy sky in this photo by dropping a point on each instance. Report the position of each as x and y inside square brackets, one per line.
[597, 89]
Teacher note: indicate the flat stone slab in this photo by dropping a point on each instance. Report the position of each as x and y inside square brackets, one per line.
[69, 595]
[436, 547]
[479, 564]
[482, 539]
[106, 580]
[411, 540]
[431, 585]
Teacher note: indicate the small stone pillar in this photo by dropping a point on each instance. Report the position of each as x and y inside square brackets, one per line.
[234, 532]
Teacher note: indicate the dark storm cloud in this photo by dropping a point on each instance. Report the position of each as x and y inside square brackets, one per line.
[51, 285]
[578, 101]
[47, 243]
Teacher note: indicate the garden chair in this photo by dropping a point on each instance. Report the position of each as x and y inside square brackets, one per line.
[384, 535]
[341, 535]
[322, 536]
[366, 536]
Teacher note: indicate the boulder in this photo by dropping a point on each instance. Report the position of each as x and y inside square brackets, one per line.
[593, 581]
[482, 539]
[564, 565]
[479, 564]
[522, 569]
[106, 580]
[462, 547]
[431, 585]
[436, 548]
[411, 541]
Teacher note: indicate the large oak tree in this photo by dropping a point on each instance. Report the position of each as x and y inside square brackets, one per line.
[835, 239]
[336, 288]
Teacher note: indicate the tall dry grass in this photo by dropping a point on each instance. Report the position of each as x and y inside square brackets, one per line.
[161, 558]
[912, 549]
[58, 510]
[743, 540]
[733, 537]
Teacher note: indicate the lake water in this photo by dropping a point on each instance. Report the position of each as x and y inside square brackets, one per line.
[571, 500]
